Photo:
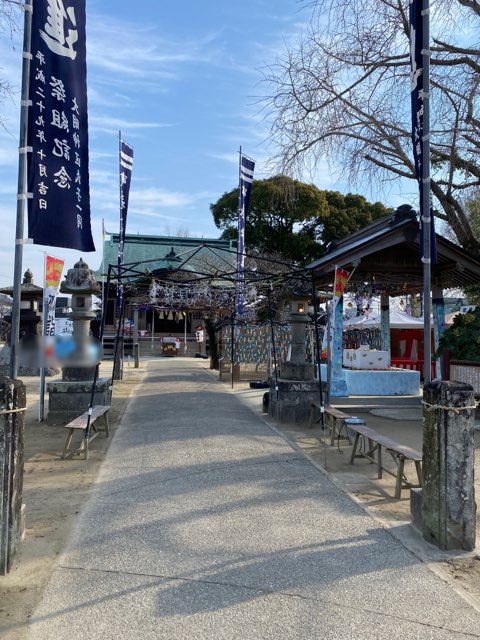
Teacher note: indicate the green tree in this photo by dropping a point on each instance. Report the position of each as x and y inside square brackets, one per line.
[462, 339]
[292, 219]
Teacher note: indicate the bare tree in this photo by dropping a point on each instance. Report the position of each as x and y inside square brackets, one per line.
[10, 14]
[183, 232]
[343, 94]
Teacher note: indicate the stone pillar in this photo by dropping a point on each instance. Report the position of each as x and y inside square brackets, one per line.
[385, 319]
[438, 322]
[448, 495]
[12, 425]
[291, 394]
[338, 385]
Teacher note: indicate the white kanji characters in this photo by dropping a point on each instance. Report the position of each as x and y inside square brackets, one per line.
[42, 170]
[40, 76]
[59, 119]
[77, 159]
[61, 149]
[42, 204]
[58, 89]
[40, 121]
[41, 135]
[41, 154]
[40, 106]
[123, 179]
[75, 106]
[62, 179]
[75, 122]
[79, 195]
[42, 188]
[76, 140]
[40, 57]
[78, 177]
[79, 221]
[54, 34]
[39, 91]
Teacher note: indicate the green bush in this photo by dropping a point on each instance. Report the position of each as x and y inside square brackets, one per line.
[462, 339]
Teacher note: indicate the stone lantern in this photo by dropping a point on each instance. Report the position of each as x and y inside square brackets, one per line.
[30, 319]
[71, 396]
[295, 387]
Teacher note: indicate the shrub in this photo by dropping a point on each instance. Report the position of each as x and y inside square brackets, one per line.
[462, 339]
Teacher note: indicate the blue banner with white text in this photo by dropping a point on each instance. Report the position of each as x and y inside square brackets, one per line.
[126, 164]
[417, 92]
[247, 167]
[125, 170]
[57, 171]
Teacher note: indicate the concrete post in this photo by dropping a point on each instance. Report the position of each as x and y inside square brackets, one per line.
[12, 397]
[448, 496]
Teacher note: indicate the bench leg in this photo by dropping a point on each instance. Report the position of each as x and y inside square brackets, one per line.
[418, 467]
[399, 483]
[107, 426]
[68, 443]
[379, 462]
[354, 450]
[333, 430]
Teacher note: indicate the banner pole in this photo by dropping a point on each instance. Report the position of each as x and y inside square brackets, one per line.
[425, 204]
[41, 404]
[21, 191]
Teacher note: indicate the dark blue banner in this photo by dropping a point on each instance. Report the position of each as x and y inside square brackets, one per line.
[247, 167]
[58, 179]
[126, 164]
[417, 92]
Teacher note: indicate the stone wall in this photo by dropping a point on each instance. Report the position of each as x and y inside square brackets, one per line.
[12, 425]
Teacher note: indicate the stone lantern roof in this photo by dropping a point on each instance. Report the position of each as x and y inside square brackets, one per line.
[28, 290]
[80, 279]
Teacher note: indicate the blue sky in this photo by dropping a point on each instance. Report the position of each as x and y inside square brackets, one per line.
[181, 80]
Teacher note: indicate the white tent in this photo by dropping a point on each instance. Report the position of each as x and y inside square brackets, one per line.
[398, 320]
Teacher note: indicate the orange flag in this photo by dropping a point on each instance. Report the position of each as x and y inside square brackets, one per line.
[53, 275]
[53, 272]
[341, 280]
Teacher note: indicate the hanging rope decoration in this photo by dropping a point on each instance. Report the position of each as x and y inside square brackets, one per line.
[201, 295]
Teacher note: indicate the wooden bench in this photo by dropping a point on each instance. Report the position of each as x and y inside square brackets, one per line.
[80, 423]
[372, 446]
[333, 416]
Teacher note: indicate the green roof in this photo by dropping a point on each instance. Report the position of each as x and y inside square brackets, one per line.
[163, 252]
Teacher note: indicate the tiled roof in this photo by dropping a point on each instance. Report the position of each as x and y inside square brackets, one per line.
[156, 253]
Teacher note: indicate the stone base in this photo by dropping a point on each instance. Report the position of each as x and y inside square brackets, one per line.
[68, 400]
[294, 371]
[292, 402]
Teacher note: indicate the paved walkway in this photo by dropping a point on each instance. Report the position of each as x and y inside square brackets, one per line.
[206, 524]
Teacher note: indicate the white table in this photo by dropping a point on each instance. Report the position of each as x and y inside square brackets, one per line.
[365, 359]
